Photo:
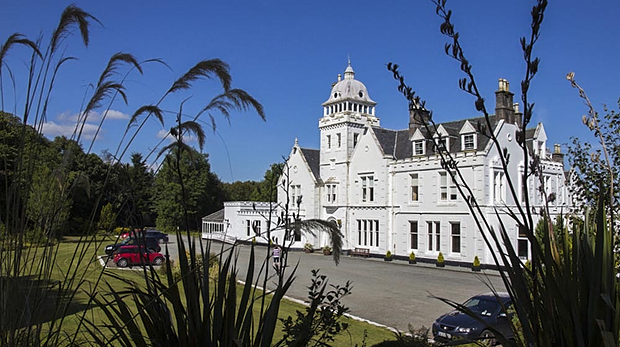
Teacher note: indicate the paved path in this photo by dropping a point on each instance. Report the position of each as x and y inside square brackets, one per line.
[394, 293]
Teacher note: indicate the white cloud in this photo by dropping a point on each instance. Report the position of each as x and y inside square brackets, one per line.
[93, 116]
[53, 129]
[187, 138]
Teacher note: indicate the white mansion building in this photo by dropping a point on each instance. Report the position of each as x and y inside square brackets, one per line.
[387, 189]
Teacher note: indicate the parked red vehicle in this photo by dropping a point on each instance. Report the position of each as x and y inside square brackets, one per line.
[137, 255]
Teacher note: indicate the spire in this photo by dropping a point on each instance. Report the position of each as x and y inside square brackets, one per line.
[349, 73]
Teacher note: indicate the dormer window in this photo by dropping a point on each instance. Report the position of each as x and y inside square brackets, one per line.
[468, 142]
[442, 143]
[419, 147]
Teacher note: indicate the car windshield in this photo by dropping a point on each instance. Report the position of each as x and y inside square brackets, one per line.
[125, 241]
[482, 307]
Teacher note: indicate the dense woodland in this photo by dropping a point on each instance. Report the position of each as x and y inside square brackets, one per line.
[132, 194]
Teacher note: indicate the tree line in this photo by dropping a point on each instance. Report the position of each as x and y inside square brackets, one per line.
[106, 192]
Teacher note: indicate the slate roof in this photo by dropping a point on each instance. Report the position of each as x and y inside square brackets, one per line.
[217, 216]
[313, 158]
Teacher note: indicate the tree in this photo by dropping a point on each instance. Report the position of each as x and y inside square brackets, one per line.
[204, 192]
[267, 189]
[590, 174]
[240, 190]
[107, 218]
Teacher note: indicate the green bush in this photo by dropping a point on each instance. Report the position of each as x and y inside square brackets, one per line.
[476, 262]
[440, 258]
[121, 230]
[388, 254]
[412, 256]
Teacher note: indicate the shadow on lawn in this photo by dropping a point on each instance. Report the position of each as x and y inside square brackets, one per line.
[30, 301]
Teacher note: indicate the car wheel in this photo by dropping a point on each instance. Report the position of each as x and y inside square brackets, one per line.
[158, 261]
[487, 338]
[122, 262]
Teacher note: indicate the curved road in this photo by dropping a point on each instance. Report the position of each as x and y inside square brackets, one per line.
[394, 293]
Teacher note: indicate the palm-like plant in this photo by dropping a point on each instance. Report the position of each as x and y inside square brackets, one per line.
[565, 297]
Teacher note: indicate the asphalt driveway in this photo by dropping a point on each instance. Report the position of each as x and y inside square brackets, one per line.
[394, 294]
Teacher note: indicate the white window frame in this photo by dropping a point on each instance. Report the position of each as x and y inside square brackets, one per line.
[447, 185]
[433, 231]
[442, 141]
[368, 232]
[414, 231]
[368, 188]
[414, 179]
[419, 147]
[295, 192]
[331, 193]
[464, 142]
[455, 237]
[499, 186]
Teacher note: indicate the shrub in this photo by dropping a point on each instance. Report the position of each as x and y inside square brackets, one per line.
[440, 258]
[327, 248]
[388, 254]
[121, 230]
[308, 247]
[412, 256]
[476, 262]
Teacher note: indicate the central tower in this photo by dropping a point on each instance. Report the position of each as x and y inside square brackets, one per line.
[347, 113]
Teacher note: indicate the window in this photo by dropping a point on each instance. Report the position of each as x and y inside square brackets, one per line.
[499, 186]
[443, 186]
[295, 193]
[256, 227]
[248, 227]
[469, 142]
[368, 190]
[456, 237]
[442, 144]
[522, 243]
[454, 193]
[413, 232]
[331, 193]
[418, 147]
[339, 137]
[415, 187]
[355, 138]
[368, 232]
[433, 229]
[329, 141]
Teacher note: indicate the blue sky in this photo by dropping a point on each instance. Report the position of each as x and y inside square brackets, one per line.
[287, 54]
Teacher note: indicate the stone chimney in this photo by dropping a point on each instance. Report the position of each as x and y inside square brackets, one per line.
[417, 118]
[557, 155]
[518, 114]
[503, 102]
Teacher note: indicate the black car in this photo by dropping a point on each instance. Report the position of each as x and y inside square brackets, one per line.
[157, 235]
[150, 243]
[490, 308]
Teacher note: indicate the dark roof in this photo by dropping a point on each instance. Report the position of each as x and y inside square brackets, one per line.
[387, 139]
[313, 158]
[217, 216]
[397, 142]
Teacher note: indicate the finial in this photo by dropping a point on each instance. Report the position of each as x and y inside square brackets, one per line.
[296, 143]
[349, 59]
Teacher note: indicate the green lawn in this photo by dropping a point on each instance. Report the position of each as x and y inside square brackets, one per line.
[88, 272]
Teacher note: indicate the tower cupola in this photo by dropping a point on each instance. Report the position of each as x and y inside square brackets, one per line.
[350, 96]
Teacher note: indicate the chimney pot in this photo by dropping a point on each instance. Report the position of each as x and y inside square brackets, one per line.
[339, 77]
